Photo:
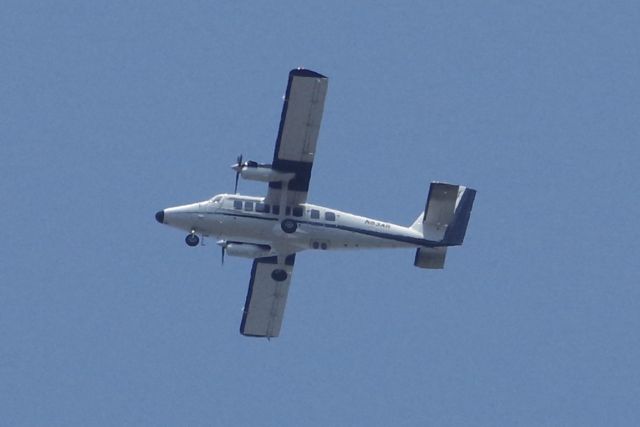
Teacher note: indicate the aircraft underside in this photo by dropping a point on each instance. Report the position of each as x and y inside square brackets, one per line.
[270, 230]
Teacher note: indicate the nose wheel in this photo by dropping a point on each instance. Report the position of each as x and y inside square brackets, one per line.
[192, 239]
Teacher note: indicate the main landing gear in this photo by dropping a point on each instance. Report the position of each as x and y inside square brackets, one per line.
[192, 239]
[279, 275]
[289, 226]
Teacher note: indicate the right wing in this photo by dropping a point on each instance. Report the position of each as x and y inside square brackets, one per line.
[267, 296]
[298, 134]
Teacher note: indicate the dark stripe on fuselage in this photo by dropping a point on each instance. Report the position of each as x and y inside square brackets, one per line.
[387, 236]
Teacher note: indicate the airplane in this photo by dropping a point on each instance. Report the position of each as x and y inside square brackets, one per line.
[271, 230]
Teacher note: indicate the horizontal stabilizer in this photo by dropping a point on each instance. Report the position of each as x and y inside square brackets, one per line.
[430, 257]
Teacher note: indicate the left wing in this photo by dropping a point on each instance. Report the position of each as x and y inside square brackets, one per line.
[267, 296]
[298, 134]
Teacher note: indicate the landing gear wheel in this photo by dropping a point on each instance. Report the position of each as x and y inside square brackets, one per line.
[289, 226]
[192, 240]
[279, 275]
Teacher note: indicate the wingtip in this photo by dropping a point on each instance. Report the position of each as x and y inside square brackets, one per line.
[303, 72]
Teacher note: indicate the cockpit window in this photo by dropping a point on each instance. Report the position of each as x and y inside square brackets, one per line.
[216, 199]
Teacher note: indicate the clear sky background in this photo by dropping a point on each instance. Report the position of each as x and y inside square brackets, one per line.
[112, 110]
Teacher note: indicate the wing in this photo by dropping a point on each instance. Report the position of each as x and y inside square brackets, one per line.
[298, 134]
[267, 297]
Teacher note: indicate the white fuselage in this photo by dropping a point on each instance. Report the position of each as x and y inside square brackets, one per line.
[243, 219]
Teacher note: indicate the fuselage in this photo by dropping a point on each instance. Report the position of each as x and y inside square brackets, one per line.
[246, 219]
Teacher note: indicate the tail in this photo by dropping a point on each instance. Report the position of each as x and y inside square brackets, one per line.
[444, 222]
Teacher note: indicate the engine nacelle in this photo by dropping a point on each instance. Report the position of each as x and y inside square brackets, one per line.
[247, 250]
[255, 172]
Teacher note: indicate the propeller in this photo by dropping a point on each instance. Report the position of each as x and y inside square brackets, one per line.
[238, 168]
[223, 246]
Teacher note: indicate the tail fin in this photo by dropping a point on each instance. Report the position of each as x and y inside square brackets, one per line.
[446, 214]
[417, 224]
[444, 221]
[458, 227]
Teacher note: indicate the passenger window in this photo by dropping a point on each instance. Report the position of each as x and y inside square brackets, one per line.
[276, 210]
[297, 211]
[248, 206]
[288, 211]
[262, 207]
[315, 214]
[329, 216]
[237, 204]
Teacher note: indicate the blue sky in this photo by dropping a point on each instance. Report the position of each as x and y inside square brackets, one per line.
[113, 110]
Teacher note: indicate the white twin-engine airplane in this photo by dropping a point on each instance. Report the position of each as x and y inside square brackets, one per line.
[272, 229]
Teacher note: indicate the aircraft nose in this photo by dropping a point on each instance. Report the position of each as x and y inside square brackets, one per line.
[160, 217]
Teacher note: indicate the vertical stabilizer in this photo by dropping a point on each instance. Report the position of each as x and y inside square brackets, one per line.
[446, 214]
[444, 222]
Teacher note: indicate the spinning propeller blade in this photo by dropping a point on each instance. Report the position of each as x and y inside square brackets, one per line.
[238, 168]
